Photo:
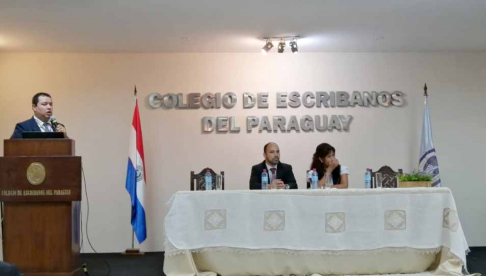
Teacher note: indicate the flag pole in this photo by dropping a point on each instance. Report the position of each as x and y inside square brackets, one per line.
[425, 94]
[428, 157]
[133, 239]
[133, 251]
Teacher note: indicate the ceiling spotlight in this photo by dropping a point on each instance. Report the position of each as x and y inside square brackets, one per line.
[293, 46]
[267, 47]
[281, 46]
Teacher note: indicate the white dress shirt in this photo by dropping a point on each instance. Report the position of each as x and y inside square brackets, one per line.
[44, 126]
[270, 176]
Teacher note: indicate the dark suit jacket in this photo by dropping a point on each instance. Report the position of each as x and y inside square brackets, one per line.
[284, 172]
[9, 269]
[29, 125]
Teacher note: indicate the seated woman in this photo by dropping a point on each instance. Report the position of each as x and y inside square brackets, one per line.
[325, 162]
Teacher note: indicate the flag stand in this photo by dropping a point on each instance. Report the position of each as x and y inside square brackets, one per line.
[133, 251]
[135, 183]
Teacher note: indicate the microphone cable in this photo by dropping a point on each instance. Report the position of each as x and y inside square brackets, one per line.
[87, 223]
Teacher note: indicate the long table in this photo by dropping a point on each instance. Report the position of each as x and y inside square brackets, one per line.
[332, 231]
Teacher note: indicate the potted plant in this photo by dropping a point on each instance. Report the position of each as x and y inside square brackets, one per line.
[415, 179]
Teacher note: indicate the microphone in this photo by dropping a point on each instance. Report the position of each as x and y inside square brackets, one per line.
[54, 122]
[85, 269]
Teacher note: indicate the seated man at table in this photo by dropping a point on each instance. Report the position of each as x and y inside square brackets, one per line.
[280, 175]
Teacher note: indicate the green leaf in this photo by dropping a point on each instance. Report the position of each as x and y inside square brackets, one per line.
[415, 176]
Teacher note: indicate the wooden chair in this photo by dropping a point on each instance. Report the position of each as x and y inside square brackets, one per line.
[198, 182]
[389, 177]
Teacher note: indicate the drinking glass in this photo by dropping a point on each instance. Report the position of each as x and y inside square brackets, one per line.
[218, 182]
[379, 180]
[272, 186]
[328, 181]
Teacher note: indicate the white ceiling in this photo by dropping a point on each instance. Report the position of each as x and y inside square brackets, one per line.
[239, 26]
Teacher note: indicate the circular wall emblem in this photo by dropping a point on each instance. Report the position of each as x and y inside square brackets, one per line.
[139, 173]
[36, 173]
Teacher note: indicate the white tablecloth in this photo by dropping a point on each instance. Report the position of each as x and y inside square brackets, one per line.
[315, 222]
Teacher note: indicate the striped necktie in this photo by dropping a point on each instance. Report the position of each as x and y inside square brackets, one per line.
[47, 127]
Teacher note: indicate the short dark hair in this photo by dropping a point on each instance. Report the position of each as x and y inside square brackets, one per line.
[266, 145]
[35, 99]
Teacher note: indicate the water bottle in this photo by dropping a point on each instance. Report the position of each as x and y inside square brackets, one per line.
[368, 179]
[315, 179]
[208, 179]
[264, 180]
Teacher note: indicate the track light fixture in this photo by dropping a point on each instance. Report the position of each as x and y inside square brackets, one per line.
[293, 46]
[281, 45]
[268, 46]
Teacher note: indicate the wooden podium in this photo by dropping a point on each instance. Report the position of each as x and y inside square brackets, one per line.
[40, 187]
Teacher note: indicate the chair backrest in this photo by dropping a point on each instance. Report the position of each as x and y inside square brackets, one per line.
[389, 177]
[198, 182]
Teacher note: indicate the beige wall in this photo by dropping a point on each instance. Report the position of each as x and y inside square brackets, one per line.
[93, 98]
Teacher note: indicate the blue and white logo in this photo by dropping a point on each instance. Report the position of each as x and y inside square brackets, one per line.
[139, 173]
[429, 165]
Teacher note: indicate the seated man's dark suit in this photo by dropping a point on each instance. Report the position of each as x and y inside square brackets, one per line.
[29, 125]
[284, 173]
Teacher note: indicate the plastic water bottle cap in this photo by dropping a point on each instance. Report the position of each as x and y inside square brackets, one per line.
[314, 169]
[264, 170]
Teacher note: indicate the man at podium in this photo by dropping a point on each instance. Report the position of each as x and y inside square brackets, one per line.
[40, 189]
[42, 121]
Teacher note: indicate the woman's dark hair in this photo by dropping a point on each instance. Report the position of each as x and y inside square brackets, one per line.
[321, 152]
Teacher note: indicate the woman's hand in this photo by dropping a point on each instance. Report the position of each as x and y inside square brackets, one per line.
[332, 165]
